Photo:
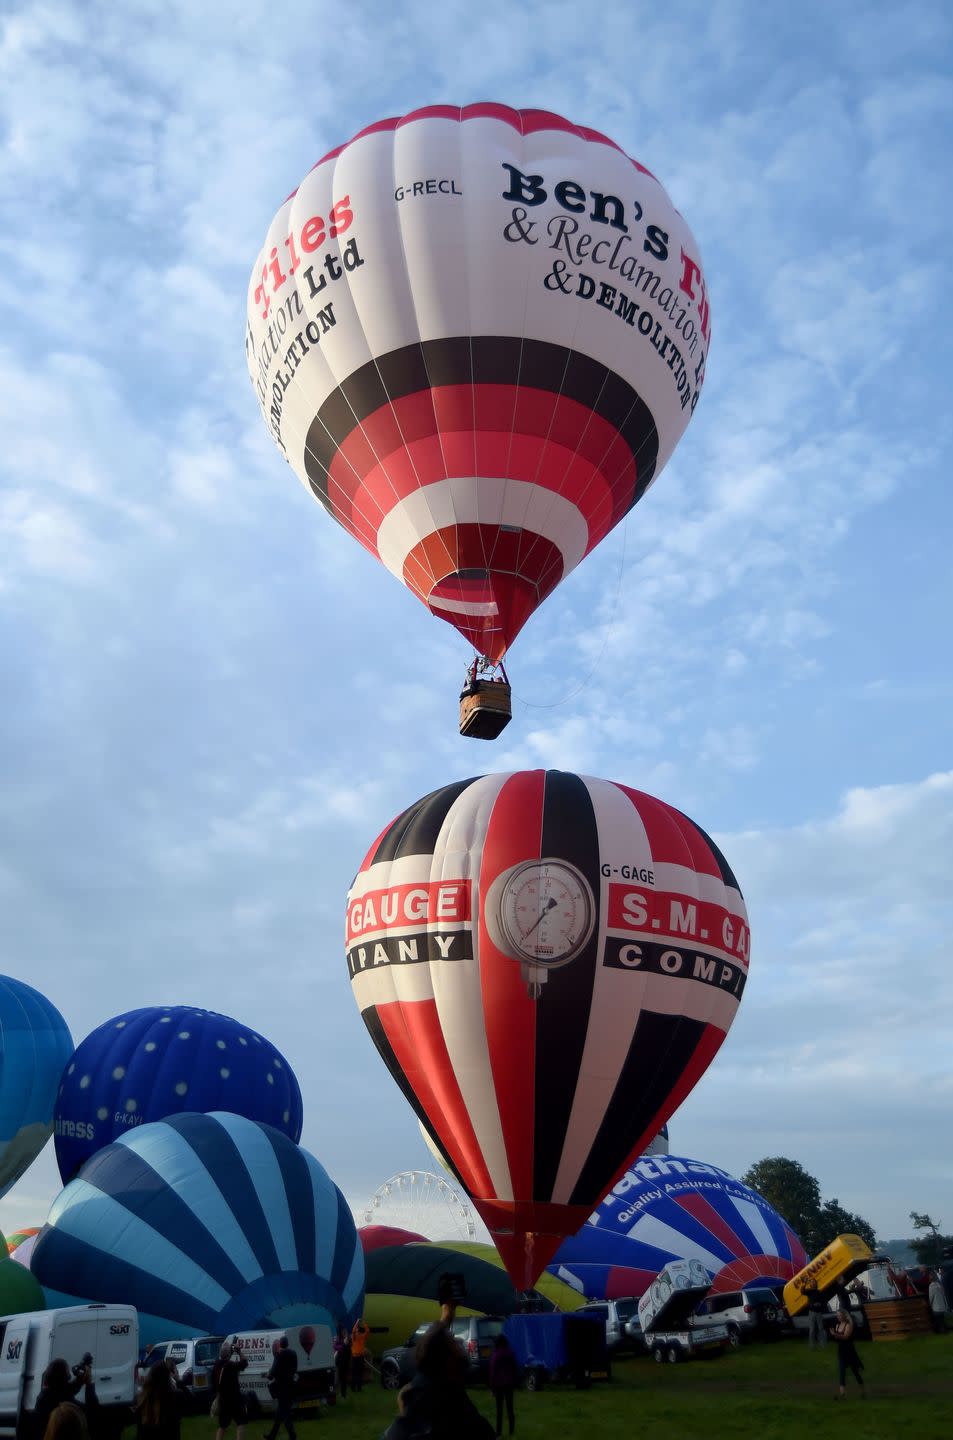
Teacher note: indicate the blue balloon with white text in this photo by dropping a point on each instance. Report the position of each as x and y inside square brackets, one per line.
[208, 1224]
[163, 1060]
[667, 1207]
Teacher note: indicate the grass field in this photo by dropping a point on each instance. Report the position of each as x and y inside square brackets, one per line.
[782, 1391]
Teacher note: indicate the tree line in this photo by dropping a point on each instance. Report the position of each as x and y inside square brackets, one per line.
[796, 1196]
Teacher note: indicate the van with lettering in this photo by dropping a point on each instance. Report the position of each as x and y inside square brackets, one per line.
[314, 1347]
[28, 1342]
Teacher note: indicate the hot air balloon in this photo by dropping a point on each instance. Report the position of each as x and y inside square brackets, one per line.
[377, 1237]
[162, 1060]
[19, 1290]
[207, 1224]
[17, 1237]
[35, 1044]
[547, 964]
[667, 1207]
[477, 334]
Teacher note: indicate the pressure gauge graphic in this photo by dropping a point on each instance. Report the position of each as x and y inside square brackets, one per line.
[542, 913]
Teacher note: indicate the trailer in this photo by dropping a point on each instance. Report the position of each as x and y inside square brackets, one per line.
[670, 1329]
[557, 1346]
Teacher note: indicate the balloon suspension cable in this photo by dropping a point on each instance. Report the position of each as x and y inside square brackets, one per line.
[609, 627]
[481, 666]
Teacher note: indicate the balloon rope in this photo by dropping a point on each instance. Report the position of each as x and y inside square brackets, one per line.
[610, 625]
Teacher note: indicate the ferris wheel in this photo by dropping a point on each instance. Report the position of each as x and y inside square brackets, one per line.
[419, 1201]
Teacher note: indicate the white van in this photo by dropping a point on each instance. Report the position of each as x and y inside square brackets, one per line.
[193, 1360]
[28, 1342]
[314, 1348]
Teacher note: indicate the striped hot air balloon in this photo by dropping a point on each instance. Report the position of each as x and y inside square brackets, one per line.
[207, 1224]
[477, 335]
[547, 963]
[668, 1207]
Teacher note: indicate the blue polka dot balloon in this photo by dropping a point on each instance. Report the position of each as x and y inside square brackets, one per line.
[165, 1060]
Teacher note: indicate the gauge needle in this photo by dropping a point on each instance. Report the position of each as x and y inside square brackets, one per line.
[541, 916]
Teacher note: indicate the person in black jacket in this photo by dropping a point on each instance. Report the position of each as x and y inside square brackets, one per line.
[61, 1385]
[282, 1377]
[226, 1380]
[436, 1403]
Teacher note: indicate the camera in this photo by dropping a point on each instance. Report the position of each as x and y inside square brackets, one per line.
[86, 1361]
[451, 1288]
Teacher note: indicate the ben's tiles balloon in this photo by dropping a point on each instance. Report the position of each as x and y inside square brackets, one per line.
[477, 334]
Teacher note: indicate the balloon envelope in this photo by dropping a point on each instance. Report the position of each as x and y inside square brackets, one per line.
[35, 1044]
[376, 1237]
[207, 1224]
[163, 1060]
[477, 334]
[17, 1237]
[547, 964]
[671, 1208]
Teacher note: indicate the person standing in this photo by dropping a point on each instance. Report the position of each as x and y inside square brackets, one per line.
[816, 1314]
[159, 1408]
[282, 1378]
[504, 1378]
[436, 1403]
[60, 1387]
[358, 1347]
[342, 1359]
[226, 1381]
[939, 1308]
[847, 1357]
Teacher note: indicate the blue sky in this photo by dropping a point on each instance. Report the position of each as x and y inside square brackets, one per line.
[214, 700]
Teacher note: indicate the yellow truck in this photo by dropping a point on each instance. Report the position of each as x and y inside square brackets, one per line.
[837, 1263]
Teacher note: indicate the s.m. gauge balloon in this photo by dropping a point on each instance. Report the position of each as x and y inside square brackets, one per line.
[547, 963]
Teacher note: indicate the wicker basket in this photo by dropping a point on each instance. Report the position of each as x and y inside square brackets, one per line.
[486, 708]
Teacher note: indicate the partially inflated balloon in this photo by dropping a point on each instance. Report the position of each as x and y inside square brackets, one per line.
[547, 964]
[17, 1237]
[669, 1208]
[162, 1060]
[477, 335]
[35, 1044]
[207, 1224]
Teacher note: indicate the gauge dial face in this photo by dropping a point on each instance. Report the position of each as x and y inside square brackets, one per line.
[546, 912]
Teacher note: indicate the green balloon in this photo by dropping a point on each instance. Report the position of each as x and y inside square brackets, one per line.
[19, 1290]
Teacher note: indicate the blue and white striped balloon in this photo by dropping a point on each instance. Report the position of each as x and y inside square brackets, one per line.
[207, 1224]
[35, 1044]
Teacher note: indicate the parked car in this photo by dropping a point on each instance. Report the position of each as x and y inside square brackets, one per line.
[754, 1314]
[621, 1319]
[476, 1333]
[193, 1360]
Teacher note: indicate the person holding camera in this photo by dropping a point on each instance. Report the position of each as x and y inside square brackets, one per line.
[229, 1403]
[62, 1385]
